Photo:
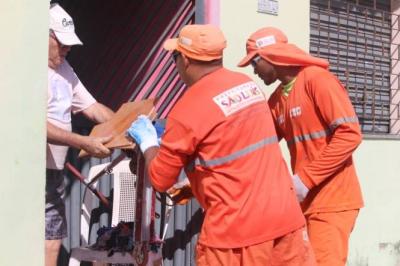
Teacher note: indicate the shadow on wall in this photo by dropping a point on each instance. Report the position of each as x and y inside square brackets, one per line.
[385, 254]
[181, 238]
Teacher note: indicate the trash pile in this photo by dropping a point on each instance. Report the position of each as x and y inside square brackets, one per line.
[115, 239]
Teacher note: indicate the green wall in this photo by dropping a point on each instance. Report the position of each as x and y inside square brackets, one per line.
[23, 81]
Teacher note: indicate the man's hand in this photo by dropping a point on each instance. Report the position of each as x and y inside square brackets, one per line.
[95, 146]
[301, 189]
[181, 192]
[143, 132]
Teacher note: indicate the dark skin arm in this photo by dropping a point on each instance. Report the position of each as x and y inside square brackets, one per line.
[179, 195]
[149, 155]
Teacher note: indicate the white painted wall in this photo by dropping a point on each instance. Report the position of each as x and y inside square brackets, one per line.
[23, 81]
[376, 238]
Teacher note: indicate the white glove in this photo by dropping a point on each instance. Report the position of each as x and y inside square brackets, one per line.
[301, 189]
[143, 132]
[181, 184]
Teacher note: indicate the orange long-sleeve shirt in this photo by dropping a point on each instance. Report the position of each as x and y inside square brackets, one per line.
[222, 132]
[321, 128]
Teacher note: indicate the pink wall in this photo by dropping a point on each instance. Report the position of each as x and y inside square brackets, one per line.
[212, 12]
[395, 72]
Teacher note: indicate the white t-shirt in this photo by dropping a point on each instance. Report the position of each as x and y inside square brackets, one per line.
[65, 94]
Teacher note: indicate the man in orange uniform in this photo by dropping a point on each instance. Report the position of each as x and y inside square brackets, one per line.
[222, 133]
[313, 112]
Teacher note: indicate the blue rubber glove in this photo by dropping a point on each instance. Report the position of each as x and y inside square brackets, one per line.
[143, 132]
[160, 128]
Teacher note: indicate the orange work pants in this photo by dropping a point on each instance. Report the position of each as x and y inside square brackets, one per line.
[329, 236]
[292, 249]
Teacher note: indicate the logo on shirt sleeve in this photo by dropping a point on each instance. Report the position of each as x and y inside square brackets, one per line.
[239, 97]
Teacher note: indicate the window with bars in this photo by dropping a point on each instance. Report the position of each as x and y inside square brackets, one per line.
[356, 37]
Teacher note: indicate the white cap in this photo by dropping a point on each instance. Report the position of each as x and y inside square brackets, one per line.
[63, 26]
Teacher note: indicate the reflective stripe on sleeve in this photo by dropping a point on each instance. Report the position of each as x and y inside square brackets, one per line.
[325, 132]
[313, 135]
[233, 156]
[342, 120]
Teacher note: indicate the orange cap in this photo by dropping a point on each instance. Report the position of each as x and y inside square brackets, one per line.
[272, 45]
[262, 38]
[286, 54]
[200, 42]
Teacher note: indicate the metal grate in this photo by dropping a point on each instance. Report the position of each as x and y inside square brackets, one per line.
[127, 197]
[355, 36]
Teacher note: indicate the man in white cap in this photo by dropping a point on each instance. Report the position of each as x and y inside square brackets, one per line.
[66, 94]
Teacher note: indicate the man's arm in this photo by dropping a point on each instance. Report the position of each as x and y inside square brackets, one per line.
[180, 192]
[149, 155]
[271, 106]
[164, 164]
[98, 113]
[344, 141]
[334, 106]
[94, 146]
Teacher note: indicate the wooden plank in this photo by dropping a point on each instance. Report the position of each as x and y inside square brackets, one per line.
[120, 122]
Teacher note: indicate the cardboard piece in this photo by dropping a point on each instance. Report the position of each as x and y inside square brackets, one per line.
[120, 122]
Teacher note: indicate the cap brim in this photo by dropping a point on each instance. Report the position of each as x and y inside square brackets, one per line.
[171, 44]
[246, 60]
[68, 38]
